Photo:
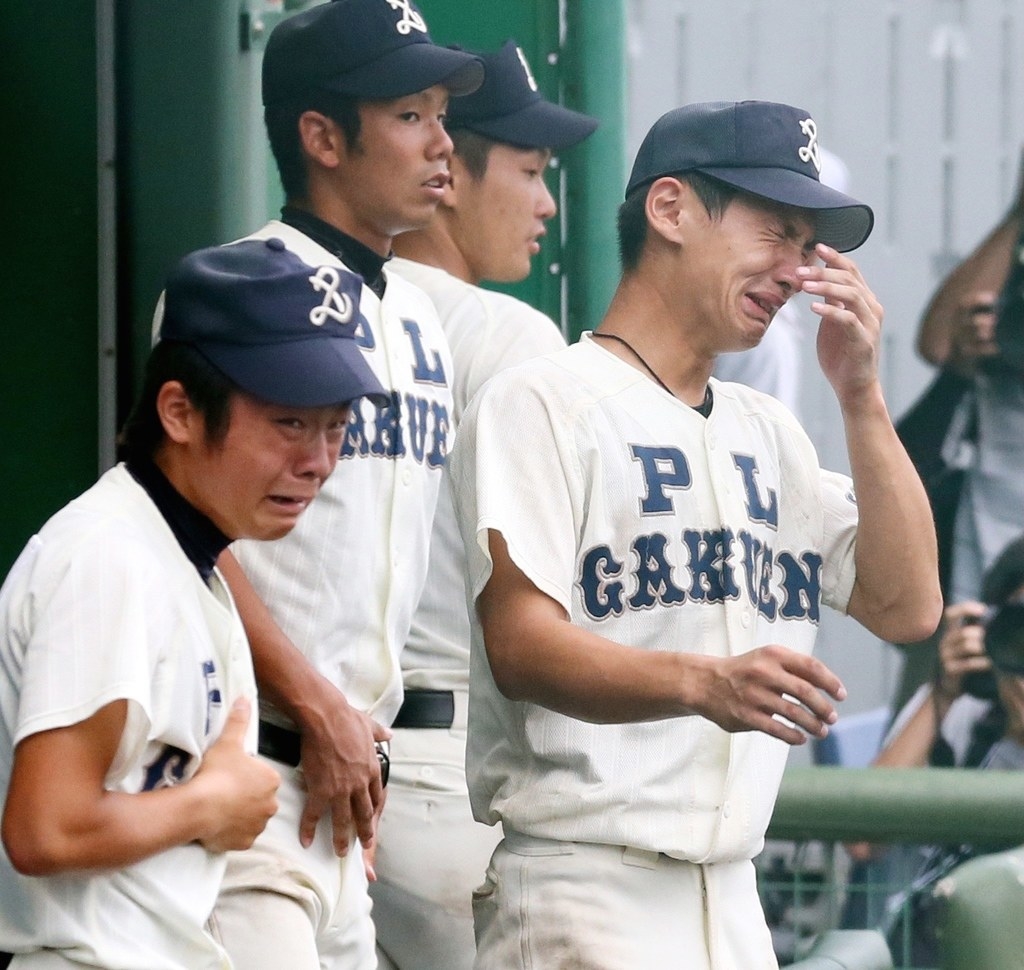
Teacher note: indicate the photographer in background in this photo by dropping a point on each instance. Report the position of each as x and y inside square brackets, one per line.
[971, 715]
[967, 435]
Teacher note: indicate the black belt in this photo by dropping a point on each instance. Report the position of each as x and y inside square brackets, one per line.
[280, 744]
[426, 709]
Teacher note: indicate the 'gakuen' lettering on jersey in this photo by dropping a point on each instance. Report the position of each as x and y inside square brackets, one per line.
[409, 423]
[720, 564]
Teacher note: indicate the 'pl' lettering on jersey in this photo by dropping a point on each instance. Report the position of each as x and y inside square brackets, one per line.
[700, 565]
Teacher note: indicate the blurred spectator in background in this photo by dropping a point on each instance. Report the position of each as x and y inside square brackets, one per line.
[973, 330]
[970, 715]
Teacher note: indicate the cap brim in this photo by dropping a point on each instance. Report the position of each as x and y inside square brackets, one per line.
[539, 125]
[840, 221]
[414, 67]
[299, 373]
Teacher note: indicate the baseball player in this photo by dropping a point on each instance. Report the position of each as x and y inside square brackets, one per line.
[431, 854]
[649, 550]
[127, 698]
[355, 95]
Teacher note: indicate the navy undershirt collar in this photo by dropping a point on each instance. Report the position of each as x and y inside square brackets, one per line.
[200, 540]
[357, 257]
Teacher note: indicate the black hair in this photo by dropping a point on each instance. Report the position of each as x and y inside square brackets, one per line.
[208, 388]
[282, 123]
[473, 149]
[715, 196]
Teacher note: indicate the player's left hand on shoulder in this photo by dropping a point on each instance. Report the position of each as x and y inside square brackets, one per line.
[851, 319]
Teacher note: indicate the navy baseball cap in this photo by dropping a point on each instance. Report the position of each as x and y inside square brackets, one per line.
[282, 330]
[367, 49]
[508, 108]
[769, 150]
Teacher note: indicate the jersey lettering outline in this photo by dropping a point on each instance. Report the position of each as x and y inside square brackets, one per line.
[663, 467]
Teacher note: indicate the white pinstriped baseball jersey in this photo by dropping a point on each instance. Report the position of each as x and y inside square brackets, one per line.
[343, 584]
[486, 332]
[103, 605]
[660, 529]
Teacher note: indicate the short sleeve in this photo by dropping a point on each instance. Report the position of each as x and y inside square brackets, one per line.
[839, 533]
[93, 634]
[514, 470]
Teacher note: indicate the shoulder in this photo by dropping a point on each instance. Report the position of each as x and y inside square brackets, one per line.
[753, 404]
[296, 242]
[562, 384]
[112, 537]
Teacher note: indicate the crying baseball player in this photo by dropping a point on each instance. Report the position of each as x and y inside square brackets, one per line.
[650, 550]
[127, 695]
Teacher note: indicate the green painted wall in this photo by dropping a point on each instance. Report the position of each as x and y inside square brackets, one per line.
[193, 155]
[48, 395]
[192, 168]
[579, 62]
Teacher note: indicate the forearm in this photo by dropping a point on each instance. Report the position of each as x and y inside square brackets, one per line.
[285, 677]
[910, 747]
[896, 593]
[537, 655]
[984, 269]
[117, 830]
[560, 666]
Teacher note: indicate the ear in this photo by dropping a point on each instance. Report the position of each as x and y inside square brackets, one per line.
[322, 139]
[458, 179]
[672, 208]
[182, 423]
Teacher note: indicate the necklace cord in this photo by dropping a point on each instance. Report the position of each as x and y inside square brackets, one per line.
[650, 370]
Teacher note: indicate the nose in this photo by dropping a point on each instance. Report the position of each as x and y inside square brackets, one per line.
[319, 455]
[546, 207]
[785, 270]
[441, 144]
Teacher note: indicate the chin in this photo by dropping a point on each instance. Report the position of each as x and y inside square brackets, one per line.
[508, 273]
[270, 531]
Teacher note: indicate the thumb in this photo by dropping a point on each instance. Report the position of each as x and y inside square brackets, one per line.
[238, 721]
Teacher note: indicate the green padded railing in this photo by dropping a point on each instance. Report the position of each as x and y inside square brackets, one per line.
[914, 805]
[847, 950]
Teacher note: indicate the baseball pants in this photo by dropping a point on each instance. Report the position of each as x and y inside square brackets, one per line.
[549, 904]
[431, 853]
[281, 905]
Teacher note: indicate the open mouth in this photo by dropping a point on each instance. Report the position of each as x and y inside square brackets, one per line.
[768, 307]
[290, 503]
[438, 182]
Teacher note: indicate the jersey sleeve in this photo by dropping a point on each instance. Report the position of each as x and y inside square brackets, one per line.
[514, 470]
[489, 333]
[91, 632]
[839, 507]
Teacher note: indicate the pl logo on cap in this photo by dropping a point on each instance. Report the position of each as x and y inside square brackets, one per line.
[412, 19]
[336, 306]
[810, 152]
[526, 68]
